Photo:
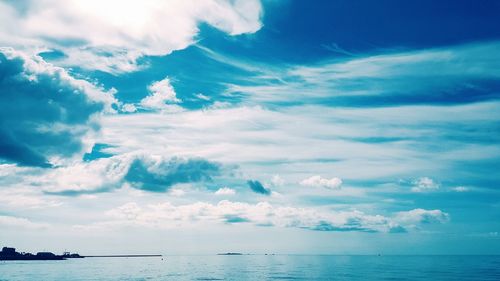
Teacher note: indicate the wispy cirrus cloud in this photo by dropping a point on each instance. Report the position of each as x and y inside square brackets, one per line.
[358, 144]
[439, 76]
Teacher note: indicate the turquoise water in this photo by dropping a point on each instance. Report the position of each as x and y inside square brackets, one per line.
[257, 267]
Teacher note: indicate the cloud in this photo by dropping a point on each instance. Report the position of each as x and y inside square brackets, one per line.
[177, 192]
[257, 187]
[225, 191]
[159, 175]
[45, 112]
[161, 94]
[202, 97]
[318, 181]
[10, 221]
[274, 138]
[416, 216]
[277, 181]
[112, 35]
[440, 76]
[128, 108]
[460, 189]
[144, 172]
[424, 184]
[235, 219]
[167, 215]
[100, 175]
[19, 197]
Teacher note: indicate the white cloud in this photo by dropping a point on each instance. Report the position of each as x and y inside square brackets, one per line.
[19, 197]
[86, 176]
[373, 76]
[167, 215]
[161, 94]
[129, 108]
[177, 192]
[202, 97]
[318, 181]
[424, 184]
[111, 35]
[277, 137]
[225, 191]
[142, 171]
[460, 189]
[277, 181]
[416, 216]
[10, 221]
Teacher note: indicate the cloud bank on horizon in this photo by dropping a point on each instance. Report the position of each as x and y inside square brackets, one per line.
[249, 116]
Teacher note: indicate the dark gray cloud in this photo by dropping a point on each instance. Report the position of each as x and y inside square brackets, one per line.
[161, 176]
[45, 112]
[257, 187]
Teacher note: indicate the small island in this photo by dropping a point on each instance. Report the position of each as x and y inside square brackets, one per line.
[230, 254]
[8, 253]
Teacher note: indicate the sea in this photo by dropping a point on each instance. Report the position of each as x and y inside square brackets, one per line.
[258, 267]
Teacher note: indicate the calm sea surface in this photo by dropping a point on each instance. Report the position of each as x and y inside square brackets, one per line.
[256, 267]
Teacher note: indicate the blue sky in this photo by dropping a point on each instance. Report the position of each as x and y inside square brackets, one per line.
[186, 127]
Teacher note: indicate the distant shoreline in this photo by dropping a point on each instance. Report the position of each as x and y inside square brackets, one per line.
[122, 256]
[8, 253]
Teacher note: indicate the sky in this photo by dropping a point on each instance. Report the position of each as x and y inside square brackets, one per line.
[255, 126]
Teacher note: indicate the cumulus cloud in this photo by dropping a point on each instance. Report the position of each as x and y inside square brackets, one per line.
[277, 181]
[318, 181]
[424, 184]
[128, 108]
[257, 187]
[144, 172]
[416, 216]
[45, 111]
[160, 175]
[112, 35]
[161, 95]
[225, 191]
[167, 215]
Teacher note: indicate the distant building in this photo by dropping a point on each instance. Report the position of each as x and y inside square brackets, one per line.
[45, 255]
[8, 251]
